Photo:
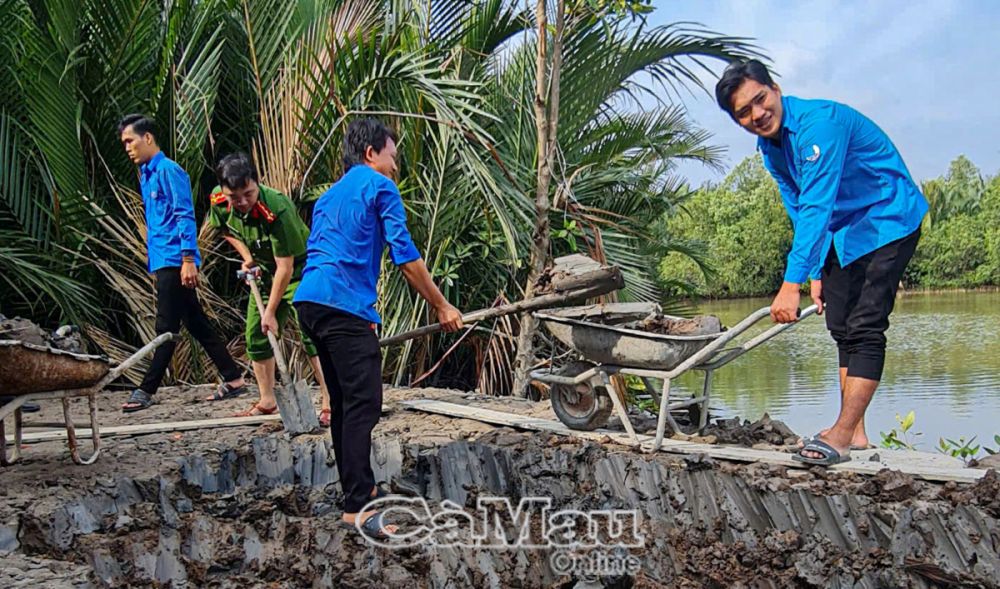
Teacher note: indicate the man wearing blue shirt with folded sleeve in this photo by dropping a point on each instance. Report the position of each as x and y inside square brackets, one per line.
[856, 214]
[173, 257]
[353, 222]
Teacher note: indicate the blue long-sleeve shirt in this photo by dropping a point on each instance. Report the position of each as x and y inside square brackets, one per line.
[171, 230]
[842, 181]
[352, 223]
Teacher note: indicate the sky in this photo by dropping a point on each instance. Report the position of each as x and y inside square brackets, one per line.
[926, 71]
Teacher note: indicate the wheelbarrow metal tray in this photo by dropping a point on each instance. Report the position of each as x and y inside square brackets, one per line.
[597, 333]
[28, 368]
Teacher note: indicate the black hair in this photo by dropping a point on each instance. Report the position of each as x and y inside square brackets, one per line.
[736, 73]
[360, 134]
[236, 170]
[140, 123]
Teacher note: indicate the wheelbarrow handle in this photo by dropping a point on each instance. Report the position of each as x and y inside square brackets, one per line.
[721, 358]
[138, 355]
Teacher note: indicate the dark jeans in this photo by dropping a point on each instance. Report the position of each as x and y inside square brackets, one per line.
[175, 303]
[351, 359]
[859, 299]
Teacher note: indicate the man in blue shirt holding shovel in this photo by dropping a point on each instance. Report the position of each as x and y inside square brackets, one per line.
[856, 214]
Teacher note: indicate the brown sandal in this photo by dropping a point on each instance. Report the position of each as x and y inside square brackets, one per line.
[256, 409]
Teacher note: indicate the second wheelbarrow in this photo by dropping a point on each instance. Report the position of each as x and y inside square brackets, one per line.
[607, 342]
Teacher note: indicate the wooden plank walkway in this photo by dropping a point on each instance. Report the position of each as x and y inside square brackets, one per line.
[922, 465]
[83, 433]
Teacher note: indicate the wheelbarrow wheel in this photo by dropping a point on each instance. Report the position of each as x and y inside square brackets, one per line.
[582, 407]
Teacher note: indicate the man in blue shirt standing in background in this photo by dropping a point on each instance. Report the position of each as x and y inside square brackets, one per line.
[172, 244]
[856, 214]
[352, 223]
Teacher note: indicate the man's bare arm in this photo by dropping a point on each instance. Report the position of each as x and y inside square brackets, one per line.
[420, 279]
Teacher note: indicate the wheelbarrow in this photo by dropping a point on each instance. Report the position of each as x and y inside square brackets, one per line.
[34, 373]
[607, 341]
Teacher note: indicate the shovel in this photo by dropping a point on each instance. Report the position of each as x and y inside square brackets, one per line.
[294, 401]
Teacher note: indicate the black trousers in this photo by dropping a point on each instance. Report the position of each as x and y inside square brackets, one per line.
[176, 304]
[351, 359]
[859, 298]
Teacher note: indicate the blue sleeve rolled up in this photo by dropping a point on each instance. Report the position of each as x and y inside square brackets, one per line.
[392, 217]
[182, 205]
[821, 168]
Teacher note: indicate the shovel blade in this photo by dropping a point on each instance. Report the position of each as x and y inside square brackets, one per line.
[296, 408]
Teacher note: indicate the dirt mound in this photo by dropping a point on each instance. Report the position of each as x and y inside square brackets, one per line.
[763, 431]
[985, 493]
[66, 338]
[666, 325]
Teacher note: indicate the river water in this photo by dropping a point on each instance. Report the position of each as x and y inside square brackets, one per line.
[943, 363]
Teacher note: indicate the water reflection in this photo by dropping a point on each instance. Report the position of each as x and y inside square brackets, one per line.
[943, 362]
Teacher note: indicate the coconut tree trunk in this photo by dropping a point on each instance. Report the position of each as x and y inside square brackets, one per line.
[546, 122]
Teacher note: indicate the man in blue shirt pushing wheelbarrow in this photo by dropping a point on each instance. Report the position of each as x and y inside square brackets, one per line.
[856, 214]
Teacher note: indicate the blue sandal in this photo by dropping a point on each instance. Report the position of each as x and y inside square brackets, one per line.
[830, 454]
[226, 392]
[373, 528]
[138, 401]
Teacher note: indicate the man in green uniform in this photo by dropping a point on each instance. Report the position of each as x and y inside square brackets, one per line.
[266, 230]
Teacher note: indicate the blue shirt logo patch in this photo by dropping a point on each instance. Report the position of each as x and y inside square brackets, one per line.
[813, 154]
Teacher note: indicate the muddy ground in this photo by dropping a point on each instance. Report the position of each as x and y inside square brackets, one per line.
[244, 507]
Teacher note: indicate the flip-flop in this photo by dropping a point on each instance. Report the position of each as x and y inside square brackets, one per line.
[830, 454]
[140, 398]
[373, 528]
[808, 439]
[256, 409]
[224, 391]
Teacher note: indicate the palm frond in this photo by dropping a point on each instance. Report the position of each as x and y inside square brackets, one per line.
[23, 197]
[196, 89]
[33, 280]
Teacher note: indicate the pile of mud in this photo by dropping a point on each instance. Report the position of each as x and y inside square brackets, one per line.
[744, 433]
[66, 338]
[765, 433]
[667, 325]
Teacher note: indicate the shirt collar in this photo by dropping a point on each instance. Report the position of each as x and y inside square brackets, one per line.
[260, 210]
[153, 163]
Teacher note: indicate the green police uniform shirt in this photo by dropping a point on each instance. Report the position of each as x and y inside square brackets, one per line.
[272, 228]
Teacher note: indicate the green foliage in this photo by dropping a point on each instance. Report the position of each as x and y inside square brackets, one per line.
[960, 449]
[745, 229]
[567, 234]
[635, 7]
[960, 244]
[900, 438]
[996, 440]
